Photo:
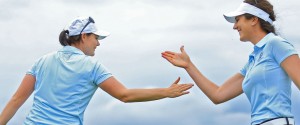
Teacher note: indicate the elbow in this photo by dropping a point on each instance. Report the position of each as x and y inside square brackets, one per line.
[125, 95]
[216, 102]
[124, 99]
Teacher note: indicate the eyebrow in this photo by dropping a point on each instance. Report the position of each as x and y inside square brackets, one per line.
[237, 17]
[97, 36]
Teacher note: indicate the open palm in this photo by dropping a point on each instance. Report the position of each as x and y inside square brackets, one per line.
[177, 59]
[176, 90]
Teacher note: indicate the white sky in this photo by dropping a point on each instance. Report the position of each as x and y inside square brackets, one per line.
[140, 31]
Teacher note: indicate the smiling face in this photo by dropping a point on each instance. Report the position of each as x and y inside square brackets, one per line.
[244, 27]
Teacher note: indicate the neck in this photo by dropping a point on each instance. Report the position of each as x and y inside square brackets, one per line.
[257, 36]
[78, 46]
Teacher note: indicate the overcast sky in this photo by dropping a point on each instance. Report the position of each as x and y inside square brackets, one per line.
[140, 31]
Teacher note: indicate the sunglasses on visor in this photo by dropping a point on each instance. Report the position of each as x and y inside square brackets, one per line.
[91, 20]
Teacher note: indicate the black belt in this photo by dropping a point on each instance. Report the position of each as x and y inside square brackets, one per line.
[286, 118]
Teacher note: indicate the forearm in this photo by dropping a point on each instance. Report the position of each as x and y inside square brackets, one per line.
[208, 87]
[21, 95]
[217, 94]
[117, 90]
[141, 95]
[9, 111]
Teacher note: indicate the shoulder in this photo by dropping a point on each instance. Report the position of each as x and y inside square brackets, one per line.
[92, 60]
[277, 42]
[280, 48]
[92, 63]
[51, 54]
[46, 56]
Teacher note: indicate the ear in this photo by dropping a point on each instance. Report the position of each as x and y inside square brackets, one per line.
[254, 21]
[83, 37]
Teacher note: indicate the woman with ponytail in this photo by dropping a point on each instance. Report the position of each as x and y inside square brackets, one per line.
[63, 82]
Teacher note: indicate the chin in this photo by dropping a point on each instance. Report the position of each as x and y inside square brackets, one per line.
[242, 39]
[91, 54]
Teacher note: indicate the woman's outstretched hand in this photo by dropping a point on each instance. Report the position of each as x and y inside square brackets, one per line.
[177, 59]
[176, 90]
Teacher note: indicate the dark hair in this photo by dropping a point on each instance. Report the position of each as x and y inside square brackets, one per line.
[66, 40]
[268, 8]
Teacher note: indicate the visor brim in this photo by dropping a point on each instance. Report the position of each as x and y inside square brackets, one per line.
[230, 17]
[102, 34]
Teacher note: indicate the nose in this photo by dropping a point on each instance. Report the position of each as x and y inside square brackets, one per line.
[98, 43]
[235, 26]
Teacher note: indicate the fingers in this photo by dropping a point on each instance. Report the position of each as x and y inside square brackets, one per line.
[169, 52]
[186, 87]
[177, 80]
[182, 49]
[184, 93]
[180, 89]
[166, 56]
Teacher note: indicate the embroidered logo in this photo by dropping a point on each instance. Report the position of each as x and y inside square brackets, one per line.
[260, 55]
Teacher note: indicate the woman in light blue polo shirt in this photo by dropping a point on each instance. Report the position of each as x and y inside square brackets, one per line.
[63, 82]
[266, 77]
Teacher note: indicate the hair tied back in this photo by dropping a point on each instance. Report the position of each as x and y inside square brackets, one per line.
[67, 34]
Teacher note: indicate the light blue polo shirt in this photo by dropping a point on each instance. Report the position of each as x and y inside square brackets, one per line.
[65, 83]
[266, 84]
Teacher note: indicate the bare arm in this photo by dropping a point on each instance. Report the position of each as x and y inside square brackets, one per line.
[217, 94]
[17, 100]
[291, 65]
[117, 90]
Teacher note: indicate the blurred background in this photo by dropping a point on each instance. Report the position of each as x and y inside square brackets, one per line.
[140, 31]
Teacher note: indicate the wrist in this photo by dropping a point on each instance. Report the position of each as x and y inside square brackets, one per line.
[166, 93]
[189, 66]
[2, 121]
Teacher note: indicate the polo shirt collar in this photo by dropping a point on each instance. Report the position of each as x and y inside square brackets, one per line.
[260, 45]
[71, 49]
[264, 40]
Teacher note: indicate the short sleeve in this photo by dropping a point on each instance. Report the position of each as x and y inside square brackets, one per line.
[243, 71]
[100, 74]
[281, 50]
[33, 70]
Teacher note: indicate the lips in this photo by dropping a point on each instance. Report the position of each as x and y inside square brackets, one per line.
[239, 31]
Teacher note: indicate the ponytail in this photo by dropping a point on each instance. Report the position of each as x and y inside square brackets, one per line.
[64, 38]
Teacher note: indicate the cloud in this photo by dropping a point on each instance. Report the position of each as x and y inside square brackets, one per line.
[162, 112]
[140, 31]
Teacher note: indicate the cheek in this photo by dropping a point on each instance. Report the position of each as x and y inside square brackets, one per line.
[93, 42]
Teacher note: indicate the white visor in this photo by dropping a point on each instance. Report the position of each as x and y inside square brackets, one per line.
[250, 9]
[83, 25]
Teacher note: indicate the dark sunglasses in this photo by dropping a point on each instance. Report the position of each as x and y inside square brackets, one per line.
[91, 20]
